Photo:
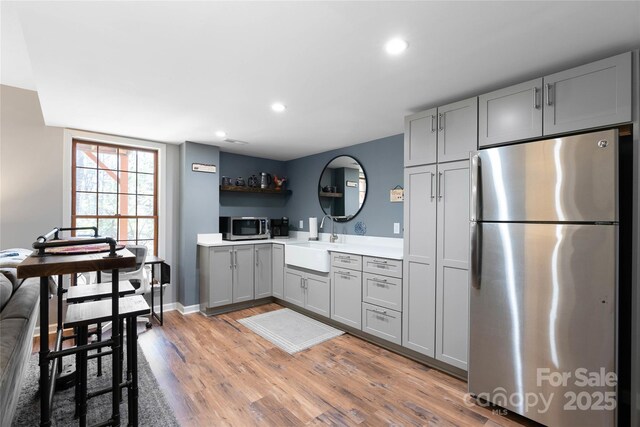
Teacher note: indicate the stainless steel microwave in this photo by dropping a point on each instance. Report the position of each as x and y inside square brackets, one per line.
[244, 227]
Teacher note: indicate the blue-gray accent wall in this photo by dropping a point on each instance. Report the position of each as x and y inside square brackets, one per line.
[199, 212]
[382, 161]
[249, 204]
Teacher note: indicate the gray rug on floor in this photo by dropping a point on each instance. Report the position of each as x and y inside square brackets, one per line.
[153, 407]
[289, 330]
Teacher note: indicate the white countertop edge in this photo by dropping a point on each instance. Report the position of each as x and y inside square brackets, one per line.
[382, 250]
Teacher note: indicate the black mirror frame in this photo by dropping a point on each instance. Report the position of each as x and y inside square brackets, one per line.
[366, 194]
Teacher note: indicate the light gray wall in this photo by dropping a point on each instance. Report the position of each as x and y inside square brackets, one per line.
[248, 204]
[199, 212]
[30, 169]
[382, 161]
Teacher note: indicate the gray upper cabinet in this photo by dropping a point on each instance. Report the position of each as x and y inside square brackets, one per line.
[510, 114]
[419, 276]
[457, 130]
[263, 271]
[442, 134]
[278, 271]
[452, 286]
[243, 273]
[592, 95]
[420, 138]
[346, 297]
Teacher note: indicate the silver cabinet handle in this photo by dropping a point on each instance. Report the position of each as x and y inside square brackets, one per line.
[476, 254]
[231, 259]
[440, 121]
[475, 193]
[257, 259]
[433, 128]
[375, 279]
[379, 261]
[306, 283]
[301, 283]
[440, 177]
[432, 195]
[547, 88]
[235, 264]
[535, 98]
[379, 311]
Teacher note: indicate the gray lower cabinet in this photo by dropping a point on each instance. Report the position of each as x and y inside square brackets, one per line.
[346, 296]
[264, 270]
[382, 322]
[226, 275]
[308, 290]
[277, 271]
[452, 273]
[592, 95]
[383, 291]
[419, 282]
[243, 273]
[510, 114]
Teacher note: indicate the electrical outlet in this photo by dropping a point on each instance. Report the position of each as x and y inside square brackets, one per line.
[396, 228]
[301, 224]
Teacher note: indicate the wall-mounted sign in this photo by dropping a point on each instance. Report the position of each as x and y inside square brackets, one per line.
[396, 195]
[352, 184]
[202, 167]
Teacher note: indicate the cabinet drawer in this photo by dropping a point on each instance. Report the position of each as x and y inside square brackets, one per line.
[387, 267]
[382, 322]
[383, 291]
[353, 262]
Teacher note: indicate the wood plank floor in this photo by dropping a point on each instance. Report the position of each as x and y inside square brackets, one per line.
[216, 372]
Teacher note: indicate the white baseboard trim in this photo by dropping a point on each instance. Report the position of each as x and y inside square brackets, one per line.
[171, 306]
[188, 309]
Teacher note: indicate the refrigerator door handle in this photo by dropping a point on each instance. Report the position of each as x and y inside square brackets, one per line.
[476, 253]
[474, 186]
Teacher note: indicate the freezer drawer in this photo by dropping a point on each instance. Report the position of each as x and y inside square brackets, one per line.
[543, 296]
[572, 179]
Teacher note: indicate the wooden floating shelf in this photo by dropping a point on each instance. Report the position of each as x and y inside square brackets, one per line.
[323, 194]
[255, 190]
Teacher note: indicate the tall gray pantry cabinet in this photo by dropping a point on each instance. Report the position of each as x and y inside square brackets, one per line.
[436, 240]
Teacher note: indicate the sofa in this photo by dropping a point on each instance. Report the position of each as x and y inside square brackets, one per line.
[19, 303]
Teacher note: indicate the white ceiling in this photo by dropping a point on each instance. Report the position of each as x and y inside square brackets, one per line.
[176, 71]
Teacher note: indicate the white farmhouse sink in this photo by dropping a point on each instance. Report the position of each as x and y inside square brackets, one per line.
[309, 255]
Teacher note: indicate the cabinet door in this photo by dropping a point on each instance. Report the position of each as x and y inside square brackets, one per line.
[346, 297]
[317, 298]
[510, 114]
[263, 273]
[220, 276]
[457, 130]
[243, 273]
[593, 95]
[419, 277]
[452, 290]
[420, 138]
[293, 287]
[278, 271]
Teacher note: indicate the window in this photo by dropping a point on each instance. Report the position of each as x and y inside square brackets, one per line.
[115, 188]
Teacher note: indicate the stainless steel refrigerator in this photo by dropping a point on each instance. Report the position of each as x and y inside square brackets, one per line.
[544, 232]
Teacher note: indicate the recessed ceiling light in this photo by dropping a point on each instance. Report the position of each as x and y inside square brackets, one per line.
[396, 46]
[278, 107]
[221, 134]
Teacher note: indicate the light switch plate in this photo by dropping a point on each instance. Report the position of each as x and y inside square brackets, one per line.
[301, 225]
[396, 228]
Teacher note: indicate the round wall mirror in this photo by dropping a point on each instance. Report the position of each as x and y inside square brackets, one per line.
[342, 188]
